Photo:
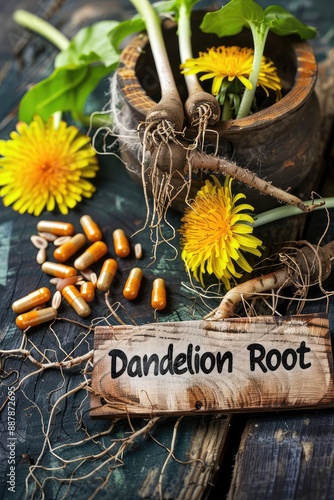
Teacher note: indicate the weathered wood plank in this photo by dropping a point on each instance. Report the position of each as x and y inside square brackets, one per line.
[290, 456]
[206, 366]
[201, 456]
[111, 206]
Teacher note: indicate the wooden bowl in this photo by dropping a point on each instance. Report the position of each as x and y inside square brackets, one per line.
[278, 142]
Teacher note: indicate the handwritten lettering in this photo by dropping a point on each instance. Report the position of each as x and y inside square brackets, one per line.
[273, 359]
[191, 361]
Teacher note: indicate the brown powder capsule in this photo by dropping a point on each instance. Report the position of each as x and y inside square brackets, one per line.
[158, 297]
[87, 291]
[121, 243]
[58, 270]
[68, 248]
[132, 284]
[73, 297]
[90, 228]
[32, 300]
[107, 274]
[35, 317]
[55, 227]
[93, 253]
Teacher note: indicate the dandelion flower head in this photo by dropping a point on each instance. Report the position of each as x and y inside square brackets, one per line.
[215, 232]
[43, 167]
[230, 63]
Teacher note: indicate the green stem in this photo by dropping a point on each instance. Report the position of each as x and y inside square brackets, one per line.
[47, 31]
[95, 120]
[287, 211]
[41, 27]
[248, 96]
[227, 109]
[154, 32]
[185, 47]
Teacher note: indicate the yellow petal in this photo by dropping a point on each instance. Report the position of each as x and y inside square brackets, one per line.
[43, 166]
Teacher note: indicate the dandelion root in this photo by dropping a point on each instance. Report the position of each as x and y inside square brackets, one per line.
[177, 156]
[309, 266]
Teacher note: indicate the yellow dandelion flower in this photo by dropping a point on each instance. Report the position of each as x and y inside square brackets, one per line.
[230, 63]
[43, 166]
[215, 231]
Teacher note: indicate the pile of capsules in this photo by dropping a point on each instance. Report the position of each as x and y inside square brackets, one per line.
[79, 289]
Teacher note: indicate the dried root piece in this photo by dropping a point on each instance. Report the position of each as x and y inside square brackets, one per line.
[310, 265]
[202, 161]
[187, 159]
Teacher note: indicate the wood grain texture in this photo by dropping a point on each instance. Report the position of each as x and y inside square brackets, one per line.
[289, 456]
[118, 202]
[201, 366]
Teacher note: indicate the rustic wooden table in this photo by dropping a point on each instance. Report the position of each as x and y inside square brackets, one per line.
[59, 451]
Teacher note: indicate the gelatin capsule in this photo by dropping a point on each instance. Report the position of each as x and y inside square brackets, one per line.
[87, 291]
[33, 299]
[158, 297]
[90, 228]
[91, 255]
[55, 227]
[121, 243]
[58, 270]
[107, 274]
[73, 297]
[36, 317]
[132, 284]
[65, 251]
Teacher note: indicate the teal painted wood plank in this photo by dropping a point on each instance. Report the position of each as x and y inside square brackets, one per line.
[289, 456]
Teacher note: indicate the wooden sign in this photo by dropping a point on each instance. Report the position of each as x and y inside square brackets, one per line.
[261, 363]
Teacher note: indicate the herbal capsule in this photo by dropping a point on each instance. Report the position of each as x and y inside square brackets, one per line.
[33, 299]
[91, 229]
[158, 297]
[73, 297]
[58, 270]
[121, 243]
[36, 317]
[55, 227]
[65, 251]
[87, 291]
[107, 274]
[132, 285]
[91, 255]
